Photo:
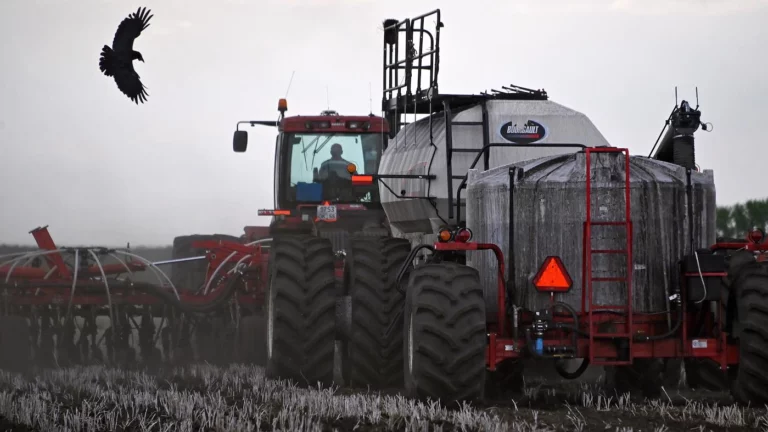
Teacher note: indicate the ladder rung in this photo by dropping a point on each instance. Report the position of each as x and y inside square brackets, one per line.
[609, 223]
[608, 251]
[609, 279]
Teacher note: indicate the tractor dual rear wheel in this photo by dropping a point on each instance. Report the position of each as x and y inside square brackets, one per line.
[445, 333]
[374, 347]
[301, 310]
[747, 282]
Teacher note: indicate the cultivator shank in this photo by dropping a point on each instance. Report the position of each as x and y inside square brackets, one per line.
[93, 304]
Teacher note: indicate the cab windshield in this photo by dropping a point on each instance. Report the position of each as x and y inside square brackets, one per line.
[319, 166]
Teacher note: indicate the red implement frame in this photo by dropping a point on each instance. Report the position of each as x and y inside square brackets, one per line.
[31, 285]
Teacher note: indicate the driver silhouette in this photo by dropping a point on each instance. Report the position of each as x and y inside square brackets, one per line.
[335, 164]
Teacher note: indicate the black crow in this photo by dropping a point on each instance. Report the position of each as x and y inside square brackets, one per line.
[117, 61]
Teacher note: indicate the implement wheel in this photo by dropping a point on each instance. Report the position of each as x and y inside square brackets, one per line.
[445, 333]
[748, 284]
[301, 310]
[374, 350]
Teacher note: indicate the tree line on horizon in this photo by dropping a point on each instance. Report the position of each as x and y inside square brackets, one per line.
[736, 220]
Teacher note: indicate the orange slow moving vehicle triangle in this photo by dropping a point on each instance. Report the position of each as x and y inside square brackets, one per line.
[552, 275]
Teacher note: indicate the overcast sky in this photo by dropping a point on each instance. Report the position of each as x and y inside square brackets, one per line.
[77, 155]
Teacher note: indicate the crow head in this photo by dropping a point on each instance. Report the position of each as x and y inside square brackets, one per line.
[135, 55]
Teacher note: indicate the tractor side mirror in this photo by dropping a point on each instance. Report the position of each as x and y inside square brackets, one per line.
[240, 141]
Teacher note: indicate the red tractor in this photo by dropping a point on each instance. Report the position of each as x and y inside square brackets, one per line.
[333, 260]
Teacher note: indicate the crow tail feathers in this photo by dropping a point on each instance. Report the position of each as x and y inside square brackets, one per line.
[106, 61]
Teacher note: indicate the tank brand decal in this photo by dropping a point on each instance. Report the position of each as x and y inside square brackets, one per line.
[527, 133]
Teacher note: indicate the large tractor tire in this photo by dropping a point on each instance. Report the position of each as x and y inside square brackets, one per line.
[445, 333]
[190, 275]
[252, 339]
[748, 284]
[374, 347]
[301, 310]
[14, 343]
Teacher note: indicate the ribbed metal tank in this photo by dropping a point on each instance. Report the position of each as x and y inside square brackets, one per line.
[421, 148]
[549, 209]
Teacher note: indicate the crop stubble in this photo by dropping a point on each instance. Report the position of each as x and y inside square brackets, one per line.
[239, 398]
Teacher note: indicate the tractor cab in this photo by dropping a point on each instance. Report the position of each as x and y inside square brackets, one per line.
[322, 158]
[324, 164]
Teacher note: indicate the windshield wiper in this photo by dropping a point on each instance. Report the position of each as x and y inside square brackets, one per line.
[317, 150]
[324, 143]
[304, 152]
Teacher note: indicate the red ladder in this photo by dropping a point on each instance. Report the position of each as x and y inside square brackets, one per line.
[588, 277]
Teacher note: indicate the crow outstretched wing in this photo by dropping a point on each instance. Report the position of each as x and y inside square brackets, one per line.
[117, 61]
[129, 29]
[129, 82]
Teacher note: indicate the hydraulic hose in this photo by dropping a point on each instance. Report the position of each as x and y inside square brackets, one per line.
[216, 272]
[674, 329]
[168, 298]
[152, 266]
[575, 374]
[575, 331]
[74, 283]
[106, 287]
[16, 261]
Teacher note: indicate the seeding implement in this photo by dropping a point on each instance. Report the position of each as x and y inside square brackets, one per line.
[563, 246]
[55, 302]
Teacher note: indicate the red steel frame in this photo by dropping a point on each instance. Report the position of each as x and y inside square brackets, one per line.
[36, 286]
[503, 346]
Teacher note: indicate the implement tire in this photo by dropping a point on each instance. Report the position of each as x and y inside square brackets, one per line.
[375, 357]
[445, 333]
[301, 310]
[14, 344]
[749, 286]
